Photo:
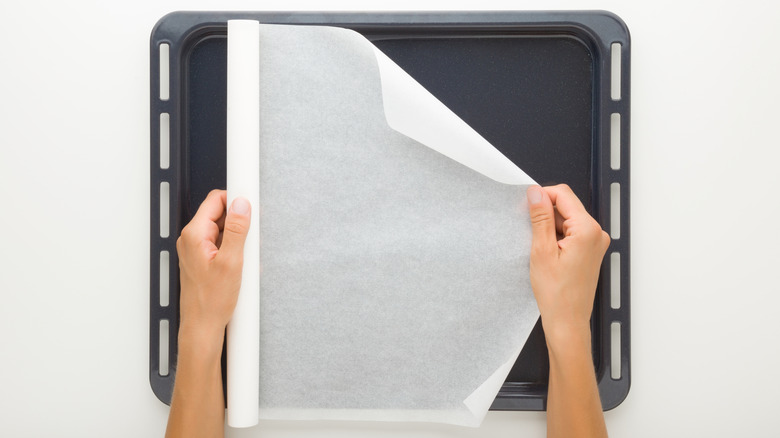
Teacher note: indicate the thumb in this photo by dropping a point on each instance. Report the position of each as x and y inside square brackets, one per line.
[542, 216]
[236, 229]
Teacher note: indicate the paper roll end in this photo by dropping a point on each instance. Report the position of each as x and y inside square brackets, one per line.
[241, 420]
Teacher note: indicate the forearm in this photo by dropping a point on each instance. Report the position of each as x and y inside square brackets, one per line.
[573, 404]
[198, 406]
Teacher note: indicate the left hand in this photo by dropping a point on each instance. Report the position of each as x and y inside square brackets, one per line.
[211, 255]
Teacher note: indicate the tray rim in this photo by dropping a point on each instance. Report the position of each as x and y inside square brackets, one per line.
[597, 30]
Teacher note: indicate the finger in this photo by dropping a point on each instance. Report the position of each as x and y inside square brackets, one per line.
[558, 223]
[212, 208]
[211, 232]
[542, 215]
[221, 221]
[567, 204]
[236, 229]
[195, 232]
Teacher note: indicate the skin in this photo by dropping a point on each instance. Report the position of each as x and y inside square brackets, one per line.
[567, 250]
[566, 253]
[211, 252]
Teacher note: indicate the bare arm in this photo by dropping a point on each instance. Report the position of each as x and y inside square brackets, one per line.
[568, 247]
[210, 249]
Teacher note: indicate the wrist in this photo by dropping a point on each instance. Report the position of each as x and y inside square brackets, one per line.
[567, 339]
[203, 342]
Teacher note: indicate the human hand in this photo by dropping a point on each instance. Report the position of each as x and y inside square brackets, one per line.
[566, 253]
[211, 254]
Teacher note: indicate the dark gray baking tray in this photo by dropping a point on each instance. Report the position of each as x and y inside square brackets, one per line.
[548, 89]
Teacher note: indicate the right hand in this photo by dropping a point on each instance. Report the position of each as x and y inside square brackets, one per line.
[566, 253]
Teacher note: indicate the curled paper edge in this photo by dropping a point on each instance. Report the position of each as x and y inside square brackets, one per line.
[413, 111]
[482, 398]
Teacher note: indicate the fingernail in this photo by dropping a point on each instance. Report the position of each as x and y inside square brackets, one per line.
[240, 206]
[534, 195]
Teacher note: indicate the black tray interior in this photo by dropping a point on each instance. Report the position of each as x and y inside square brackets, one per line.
[534, 93]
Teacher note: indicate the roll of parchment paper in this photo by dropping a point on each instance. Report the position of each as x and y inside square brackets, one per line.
[243, 149]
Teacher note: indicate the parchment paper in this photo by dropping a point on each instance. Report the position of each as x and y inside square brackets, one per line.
[393, 279]
[243, 154]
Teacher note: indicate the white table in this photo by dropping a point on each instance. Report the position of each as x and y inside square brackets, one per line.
[74, 218]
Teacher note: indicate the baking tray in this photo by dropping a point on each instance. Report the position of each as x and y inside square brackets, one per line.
[549, 89]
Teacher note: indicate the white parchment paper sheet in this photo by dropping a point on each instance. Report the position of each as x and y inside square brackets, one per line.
[394, 280]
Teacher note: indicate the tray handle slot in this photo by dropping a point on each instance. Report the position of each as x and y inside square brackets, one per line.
[614, 207]
[165, 210]
[164, 347]
[165, 258]
[616, 49]
[615, 372]
[165, 81]
[614, 141]
[165, 141]
[614, 280]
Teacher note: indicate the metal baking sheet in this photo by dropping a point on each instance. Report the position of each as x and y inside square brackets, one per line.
[540, 86]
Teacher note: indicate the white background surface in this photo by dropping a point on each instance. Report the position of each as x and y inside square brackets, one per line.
[74, 217]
